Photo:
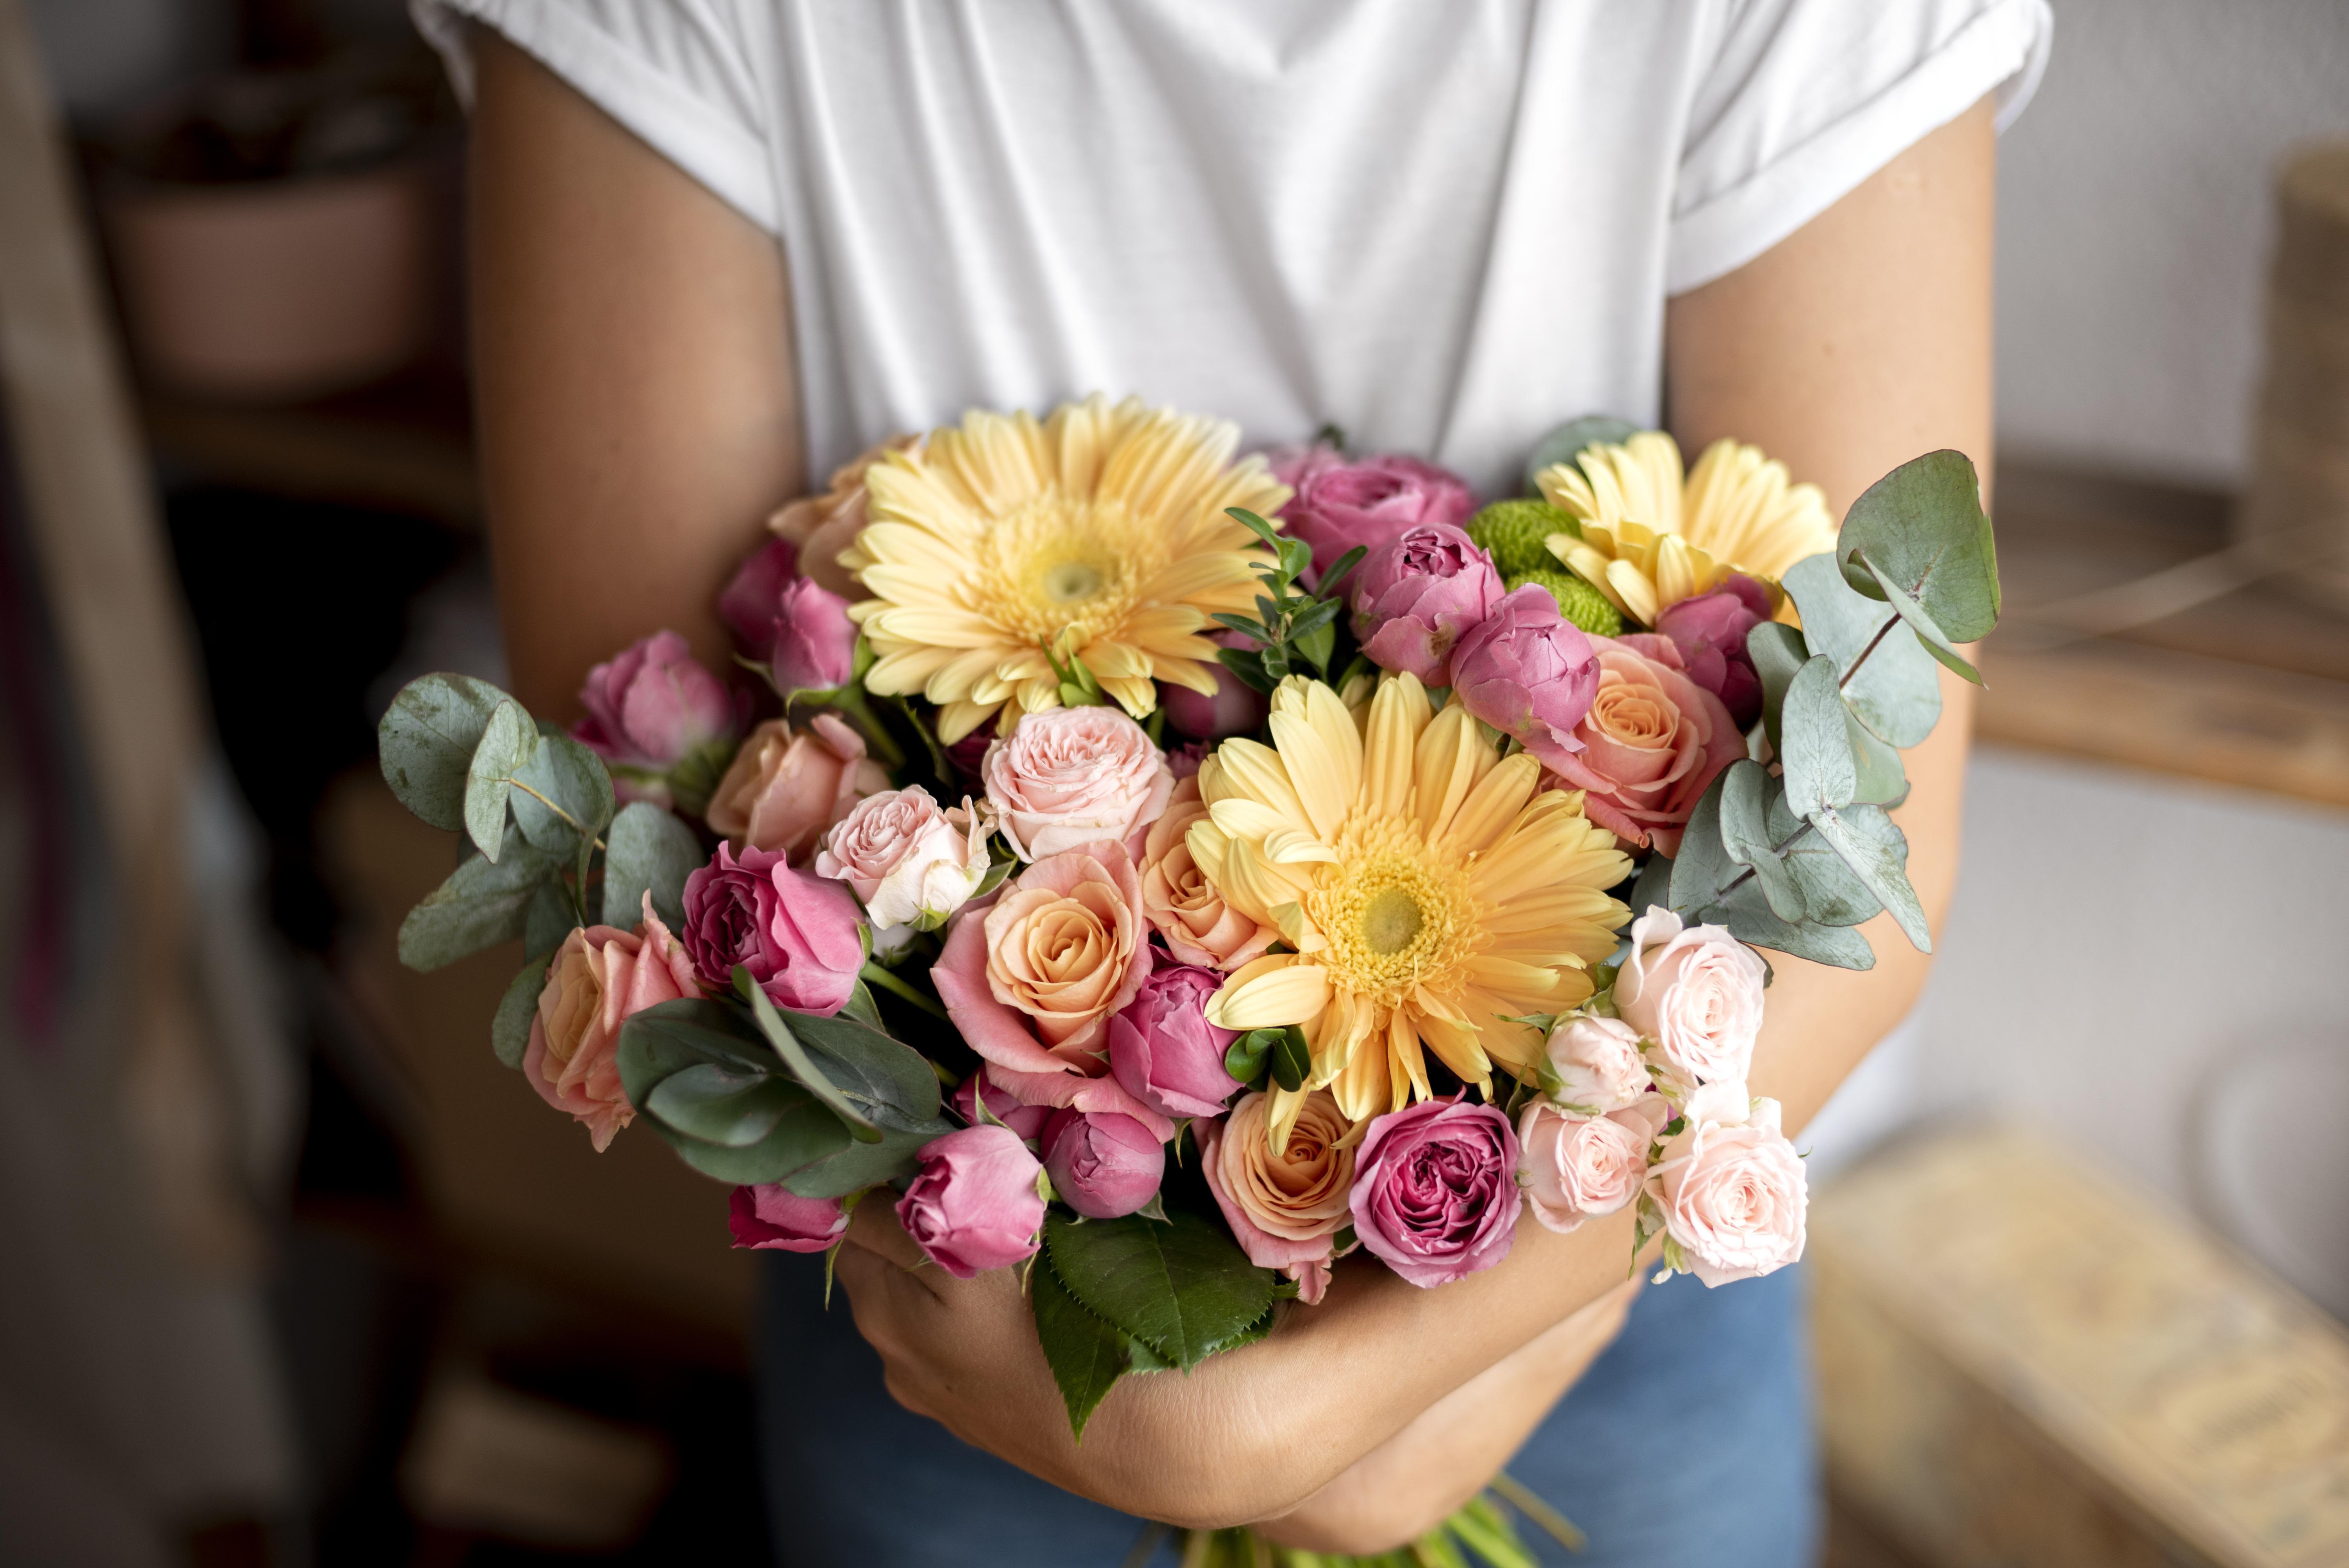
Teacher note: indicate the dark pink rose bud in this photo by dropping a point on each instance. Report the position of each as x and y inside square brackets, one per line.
[652, 704]
[1163, 1050]
[773, 1217]
[1234, 709]
[1413, 598]
[1102, 1163]
[1435, 1190]
[1340, 504]
[754, 599]
[795, 933]
[814, 640]
[1710, 631]
[1529, 673]
[973, 1205]
[1026, 1121]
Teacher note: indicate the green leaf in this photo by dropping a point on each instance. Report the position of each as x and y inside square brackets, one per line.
[1566, 443]
[1183, 1289]
[1883, 867]
[663, 1041]
[482, 904]
[646, 850]
[1246, 1055]
[1936, 643]
[1922, 527]
[888, 1080]
[1292, 1058]
[1342, 568]
[509, 1028]
[1748, 916]
[508, 742]
[1652, 889]
[1745, 794]
[1879, 776]
[552, 918]
[574, 778]
[720, 1105]
[1244, 625]
[1897, 692]
[1248, 665]
[426, 742]
[1253, 524]
[796, 1061]
[1819, 770]
[861, 1007]
[1832, 892]
[1086, 1354]
[863, 1165]
[1777, 651]
[1703, 863]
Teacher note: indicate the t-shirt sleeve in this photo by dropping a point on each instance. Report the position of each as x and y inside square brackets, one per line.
[1804, 99]
[680, 73]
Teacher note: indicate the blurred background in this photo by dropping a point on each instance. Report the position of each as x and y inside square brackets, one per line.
[298, 1275]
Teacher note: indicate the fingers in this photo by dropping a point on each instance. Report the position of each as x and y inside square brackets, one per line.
[874, 1227]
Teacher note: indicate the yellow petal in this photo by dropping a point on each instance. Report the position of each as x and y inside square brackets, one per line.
[1452, 756]
[1258, 997]
[1493, 806]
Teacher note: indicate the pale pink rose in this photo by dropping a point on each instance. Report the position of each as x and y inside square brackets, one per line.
[824, 525]
[1653, 742]
[973, 1205]
[1182, 905]
[1286, 1209]
[1696, 993]
[1032, 981]
[1598, 1066]
[1578, 1168]
[905, 857]
[786, 787]
[598, 979]
[1068, 777]
[772, 1217]
[1732, 1188]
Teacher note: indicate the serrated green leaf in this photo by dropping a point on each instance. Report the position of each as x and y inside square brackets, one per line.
[646, 850]
[1777, 651]
[1873, 860]
[1747, 789]
[508, 743]
[1923, 526]
[482, 904]
[426, 741]
[1936, 643]
[552, 918]
[1819, 770]
[1897, 691]
[509, 1028]
[720, 1105]
[571, 777]
[1182, 1288]
[1567, 442]
[1086, 1354]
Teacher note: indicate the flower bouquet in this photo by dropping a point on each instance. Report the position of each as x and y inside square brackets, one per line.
[1171, 872]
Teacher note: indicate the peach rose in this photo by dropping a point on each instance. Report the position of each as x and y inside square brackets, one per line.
[1594, 1066]
[1182, 905]
[1068, 776]
[598, 979]
[786, 787]
[1285, 1209]
[1695, 991]
[824, 525]
[1653, 742]
[1733, 1190]
[1575, 1168]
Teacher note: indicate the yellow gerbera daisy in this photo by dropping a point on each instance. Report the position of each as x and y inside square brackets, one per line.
[1649, 540]
[1431, 896]
[1099, 533]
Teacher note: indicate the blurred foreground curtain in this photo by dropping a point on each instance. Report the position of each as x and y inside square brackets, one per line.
[143, 1089]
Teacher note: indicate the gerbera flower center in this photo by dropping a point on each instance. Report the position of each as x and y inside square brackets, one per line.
[1048, 572]
[1397, 916]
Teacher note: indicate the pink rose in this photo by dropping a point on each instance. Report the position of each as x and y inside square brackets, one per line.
[599, 979]
[1577, 1168]
[652, 704]
[1026, 1121]
[752, 602]
[1234, 709]
[1031, 982]
[974, 1205]
[1650, 744]
[1696, 992]
[905, 858]
[1529, 673]
[1596, 1066]
[1285, 1209]
[824, 525]
[1181, 904]
[1341, 504]
[1102, 1164]
[1436, 1190]
[814, 642]
[1413, 598]
[770, 1217]
[1710, 633]
[785, 786]
[1732, 1188]
[1163, 1050]
[796, 933]
[1068, 777]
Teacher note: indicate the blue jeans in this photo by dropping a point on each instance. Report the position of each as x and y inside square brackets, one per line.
[1688, 1442]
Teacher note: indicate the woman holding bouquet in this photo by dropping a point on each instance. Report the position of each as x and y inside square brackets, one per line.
[722, 245]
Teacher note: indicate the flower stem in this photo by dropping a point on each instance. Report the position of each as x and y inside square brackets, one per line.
[874, 975]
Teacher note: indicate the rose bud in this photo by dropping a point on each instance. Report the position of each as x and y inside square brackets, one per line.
[1340, 504]
[1733, 1190]
[1068, 777]
[1026, 1121]
[904, 857]
[1163, 1050]
[652, 704]
[599, 979]
[1595, 1066]
[1435, 1190]
[1234, 709]
[1527, 673]
[1710, 633]
[1651, 743]
[974, 1205]
[797, 934]
[1578, 1168]
[753, 600]
[1695, 991]
[814, 641]
[1102, 1164]
[1413, 598]
[772, 1217]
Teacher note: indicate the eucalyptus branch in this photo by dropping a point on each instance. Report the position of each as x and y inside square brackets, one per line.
[1778, 848]
[576, 825]
[1873, 644]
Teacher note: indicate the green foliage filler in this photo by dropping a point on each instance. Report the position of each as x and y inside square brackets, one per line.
[1578, 601]
[1513, 530]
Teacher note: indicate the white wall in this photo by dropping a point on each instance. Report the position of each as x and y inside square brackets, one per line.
[2136, 224]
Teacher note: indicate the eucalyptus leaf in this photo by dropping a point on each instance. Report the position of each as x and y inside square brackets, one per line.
[1748, 916]
[1777, 651]
[1879, 776]
[1832, 890]
[1184, 1289]
[482, 904]
[1087, 1356]
[1820, 769]
[509, 1028]
[1703, 864]
[673, 1037]
[1936, 643]
[552, 918]
[801, 1141]
[861, 1165]
[426, 741]
[571, 777]
[1745, 795]
[1566, 443]
[1883, 866]
[1922, 527]
[796, 1061]
[1896, 691]
[1652, 889]
[720, 1105]
[886, 1080]
[646, 849]
[508, 743]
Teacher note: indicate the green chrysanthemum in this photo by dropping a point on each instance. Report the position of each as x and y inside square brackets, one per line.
[1578, 601]
[1514, 531]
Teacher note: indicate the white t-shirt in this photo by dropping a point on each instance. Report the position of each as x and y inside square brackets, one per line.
[1443, 226]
